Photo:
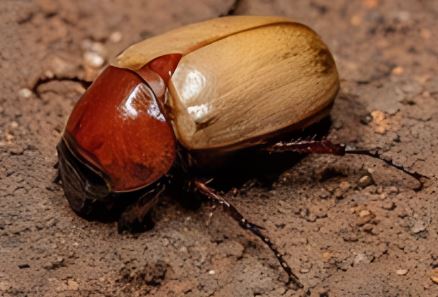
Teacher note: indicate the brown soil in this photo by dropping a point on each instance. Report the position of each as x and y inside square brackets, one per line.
[344, 234]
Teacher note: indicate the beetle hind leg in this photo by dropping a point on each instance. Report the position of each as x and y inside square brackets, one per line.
[245, 224]
[327, 147]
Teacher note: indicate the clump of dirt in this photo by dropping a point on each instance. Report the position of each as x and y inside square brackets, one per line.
[349, 226]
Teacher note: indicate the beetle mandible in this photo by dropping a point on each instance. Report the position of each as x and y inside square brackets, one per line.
[175, 101]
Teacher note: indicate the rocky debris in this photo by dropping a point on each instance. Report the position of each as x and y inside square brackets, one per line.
[362, 258]
[232, 248]
[418, 226]
[401, 271]
[365, 181]
[388, 205]
[72, 285]
[93, 59]
[341, 190]
[25, 93]
[67, 285]
[55, 264]
[434, 276]
[365, 216]
[116, 37]
[349, 235]
[151, 274]
[379, 122]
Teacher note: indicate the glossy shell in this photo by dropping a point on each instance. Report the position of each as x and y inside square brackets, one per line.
[241, 79]
[117, 127]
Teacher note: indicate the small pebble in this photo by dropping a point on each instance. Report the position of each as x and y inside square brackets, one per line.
[323, 292]
[379, 121]
[58, 262]
[398, 70]
[311, 218]
[326, 256]
[72, 285]
[388, 205]
[365, 216]
[92, 46]
[211, 272]
[360, 258]
[393, 190]
[324, 194]
[419, 226]
[434, 276]
[365, 181]
[364, 213]
[115, 37]
[401, 271]
[425, 33]
[350, 237]
[93, 59]
[25, 93]
[344, 185]
[306, 267]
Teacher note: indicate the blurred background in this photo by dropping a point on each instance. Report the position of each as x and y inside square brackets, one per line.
[349, 226]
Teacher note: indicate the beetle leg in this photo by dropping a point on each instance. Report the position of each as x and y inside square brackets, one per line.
[135, 217]
[245, 224]
[45, 79]
[327, 147]
[57, 177]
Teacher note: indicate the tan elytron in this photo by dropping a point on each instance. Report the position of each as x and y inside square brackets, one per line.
[241, 79]
[251, 84]
[188, 38]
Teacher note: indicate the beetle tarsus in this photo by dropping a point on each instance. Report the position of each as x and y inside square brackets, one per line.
[378, 155]
[339, 149]
[245, 224]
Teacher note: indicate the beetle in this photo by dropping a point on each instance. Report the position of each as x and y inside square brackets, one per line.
[190, 97]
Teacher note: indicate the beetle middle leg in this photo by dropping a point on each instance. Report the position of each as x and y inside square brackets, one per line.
[244, 223]
[327, 147]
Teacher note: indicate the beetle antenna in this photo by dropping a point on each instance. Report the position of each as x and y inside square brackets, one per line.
[245, 224]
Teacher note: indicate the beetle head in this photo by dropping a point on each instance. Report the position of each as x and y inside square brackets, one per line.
[83, 186]
[116, 140]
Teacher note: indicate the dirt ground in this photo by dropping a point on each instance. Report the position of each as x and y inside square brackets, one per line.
[349, 226]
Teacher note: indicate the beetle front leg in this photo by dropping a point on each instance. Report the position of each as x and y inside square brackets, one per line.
[245, 224]
[135, 218]
[327, 147]
[46, 79]
[57, 177]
